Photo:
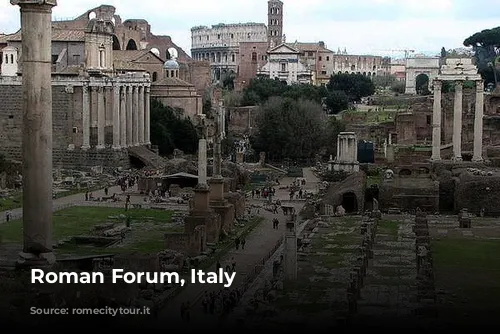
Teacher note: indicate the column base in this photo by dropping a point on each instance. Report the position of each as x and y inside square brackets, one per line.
[477, 159]
[457, 159]
[29, 260]
[85, 147]
[117, 147]
[435, 158]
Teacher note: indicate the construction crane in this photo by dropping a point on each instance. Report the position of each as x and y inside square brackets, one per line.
[406, 51]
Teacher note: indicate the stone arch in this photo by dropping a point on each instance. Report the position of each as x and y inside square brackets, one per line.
[422, 84]
[168, 56]
[131, 45]
[116, 43]
[155, 51]
[350, 202]
[418, 65]
[155, 76]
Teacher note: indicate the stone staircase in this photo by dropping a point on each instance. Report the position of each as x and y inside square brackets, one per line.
[148, 157]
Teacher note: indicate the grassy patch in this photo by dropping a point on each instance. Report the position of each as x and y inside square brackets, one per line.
[80, 220]
[469, 271]
[11, 202]
[389, 227]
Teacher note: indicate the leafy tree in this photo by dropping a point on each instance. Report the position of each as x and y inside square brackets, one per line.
[336, 101]
[444, 54]
[170, 130]
[260, 90]
[486, 45]
[355, 86]
[384, 81]
[398, 87]
[333, 127]
[290, 128]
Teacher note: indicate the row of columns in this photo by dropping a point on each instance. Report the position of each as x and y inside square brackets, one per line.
[347, 149]
[131, 116]
[457, 121]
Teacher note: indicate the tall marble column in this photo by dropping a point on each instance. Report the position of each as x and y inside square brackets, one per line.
[101, 118]
[135, 116]
[217, 181]
[142, 115]
[123, 117]
[116, 117]
[85, 118]
[338, 149]
[147, 119]
[436, 122]
[129, 116]
[457, 122]
[202, 163]
[478, 122]
[37, 131]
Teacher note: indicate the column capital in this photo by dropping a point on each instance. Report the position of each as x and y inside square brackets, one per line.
[21, 3]
[480, 86]
[437, 84]
[459, 83]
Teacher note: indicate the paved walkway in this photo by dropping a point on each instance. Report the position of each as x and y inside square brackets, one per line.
[259, 243]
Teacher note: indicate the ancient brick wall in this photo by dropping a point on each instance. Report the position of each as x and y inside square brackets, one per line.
[476, 192]
[253, 55]
[196, 73]
[241, 119]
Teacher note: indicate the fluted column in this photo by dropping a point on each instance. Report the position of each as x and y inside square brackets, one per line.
[123, 117]
[85, 118]
[101, 118]
[116, 117]
[478, 122]
[129, 115]
[338, 148]
[457, 122]
[135, 116]
[36, 132]
[147, 119]
[436, 122]
[142, 115]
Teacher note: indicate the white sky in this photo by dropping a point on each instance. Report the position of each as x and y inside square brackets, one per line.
[360, 26]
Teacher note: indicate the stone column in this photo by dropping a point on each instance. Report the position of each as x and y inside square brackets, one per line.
[129, 116]
[116, 117]
[478, 122]
[37, 131]
[101, 118]
[436, 122]
[135, 116]
[217, 181]
[147, 118]
[457, 122]
[85, 118]
[201, 192]
[123, 117]
[338, 148]
[142, 115]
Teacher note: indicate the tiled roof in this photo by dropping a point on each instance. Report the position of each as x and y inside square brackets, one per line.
[172, 82]
[308, 46]
[128, 55]
[58, 35]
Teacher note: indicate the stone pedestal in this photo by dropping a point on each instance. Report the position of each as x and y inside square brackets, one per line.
[216, 189]
[37, 131]
[201, 199]
[290, 252]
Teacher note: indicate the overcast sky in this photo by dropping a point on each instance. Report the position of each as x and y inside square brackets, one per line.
[360, 26]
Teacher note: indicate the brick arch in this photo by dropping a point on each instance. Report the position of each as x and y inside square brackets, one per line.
[131, 45]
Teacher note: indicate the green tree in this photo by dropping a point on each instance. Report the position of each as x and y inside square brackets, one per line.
[170, 130]
[384, 81]
[399, 87]
[486, 45]
[334, 126]
[290, 129]
[355, 86]
[336, 101]
[444, 54]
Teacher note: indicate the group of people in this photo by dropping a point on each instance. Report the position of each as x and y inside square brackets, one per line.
[240, 241]
[264, 192]
[221, 302]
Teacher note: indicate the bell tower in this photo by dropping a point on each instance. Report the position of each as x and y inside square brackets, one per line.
[274, 22]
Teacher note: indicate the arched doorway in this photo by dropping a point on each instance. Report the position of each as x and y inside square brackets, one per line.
[168, 56]
[131, 45]
[350, 202]
[116, 43]
[422, 84]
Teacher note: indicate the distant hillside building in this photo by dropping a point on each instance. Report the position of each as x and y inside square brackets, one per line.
[284, 64]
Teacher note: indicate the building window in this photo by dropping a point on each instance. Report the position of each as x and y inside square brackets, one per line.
[76, 59]
[323, 72]
[75, 129]
[429, 119]
[102, 58]
[232, 58]
[208, 38]
[155, 76]
[327, 58]
[6, 59]
[283, 67]
[218, 36]
[254, 56]
[12, 59]
[320, 58]
[54, 59]
[310, 54]
[232, 35]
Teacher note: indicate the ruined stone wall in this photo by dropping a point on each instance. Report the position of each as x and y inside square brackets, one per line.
[67, 124]
[409, 195]
[242, 119]
[476, 192]
[196, 73]
[410, 154]
[355, 183]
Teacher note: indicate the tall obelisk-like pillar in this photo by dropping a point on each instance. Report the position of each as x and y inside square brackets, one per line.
[36, 30]
[217, 181]
[201, 191]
